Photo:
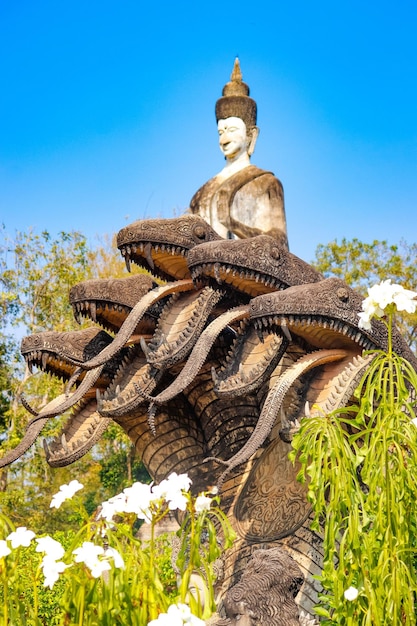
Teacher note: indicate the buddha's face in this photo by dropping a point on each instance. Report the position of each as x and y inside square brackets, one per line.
[233, 138]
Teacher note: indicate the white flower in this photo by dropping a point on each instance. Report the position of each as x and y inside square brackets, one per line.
[187, 616]
[177, 615]
[51, 570]
[202, 503]
[351, 593]
[179, 482]
[143, 499]
[164, 619]
[4, 548]
[51, 565]
[364, 321]
[51, 547]
[98, 568]
[112, 506]
[65, 493]
[382, 295]
[176, 501]
[21, 537]
[88, 553]
[138, 500]
[171, 489]
[404, 300]
[414, 421]
[116, 556]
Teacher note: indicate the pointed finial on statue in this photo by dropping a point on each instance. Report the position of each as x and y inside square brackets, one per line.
[236, 75]
[236, 86]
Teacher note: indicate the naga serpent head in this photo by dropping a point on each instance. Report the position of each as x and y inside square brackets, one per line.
[253, 266]
[161, 245]
[108, 301]
[51, 350]
[55, 353]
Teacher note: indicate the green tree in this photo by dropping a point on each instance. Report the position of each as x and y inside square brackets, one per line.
[361, 265]
[36, 273]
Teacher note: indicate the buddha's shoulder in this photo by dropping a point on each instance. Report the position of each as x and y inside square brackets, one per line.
[259, 179]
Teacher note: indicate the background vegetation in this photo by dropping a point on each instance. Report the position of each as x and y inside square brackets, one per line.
[36, 273]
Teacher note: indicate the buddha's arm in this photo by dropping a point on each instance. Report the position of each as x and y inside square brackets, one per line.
[266, 215]
[243, 231]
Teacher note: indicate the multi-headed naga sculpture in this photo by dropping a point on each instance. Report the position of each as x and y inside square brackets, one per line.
[209, 374]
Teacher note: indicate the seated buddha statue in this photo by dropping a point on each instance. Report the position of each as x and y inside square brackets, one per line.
[242, 200]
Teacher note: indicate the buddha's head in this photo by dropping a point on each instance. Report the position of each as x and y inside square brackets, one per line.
[236, 117]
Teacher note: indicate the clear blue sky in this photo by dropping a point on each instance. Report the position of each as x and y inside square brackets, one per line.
[107, 111]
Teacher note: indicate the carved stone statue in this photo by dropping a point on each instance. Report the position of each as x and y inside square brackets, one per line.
[211, 372]
[270, 574]
[242, 200]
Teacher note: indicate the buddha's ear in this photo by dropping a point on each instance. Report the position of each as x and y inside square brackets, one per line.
[252, 137]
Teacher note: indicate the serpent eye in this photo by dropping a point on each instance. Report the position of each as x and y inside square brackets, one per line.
[342, 294]
[275, 254]
[199, 232]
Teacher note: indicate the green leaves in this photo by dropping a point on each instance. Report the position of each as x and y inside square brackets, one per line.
[203, 539]
[361, 467]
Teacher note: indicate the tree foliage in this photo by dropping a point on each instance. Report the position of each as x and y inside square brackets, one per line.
[36, 274]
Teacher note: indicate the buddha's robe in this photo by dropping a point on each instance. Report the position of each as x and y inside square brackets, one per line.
[248, 203]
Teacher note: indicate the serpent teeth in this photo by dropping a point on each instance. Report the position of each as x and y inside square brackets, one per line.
[64, 442]
[214, 376]
[144, 346]
[284, 422]
[46, 448]
[216, 271]
[93, 311]
[244, 378]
